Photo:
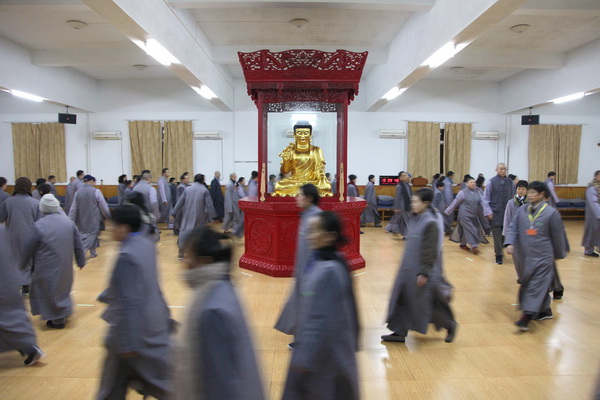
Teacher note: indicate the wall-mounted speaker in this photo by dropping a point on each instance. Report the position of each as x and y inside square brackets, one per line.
[530, 119]
[67, 118]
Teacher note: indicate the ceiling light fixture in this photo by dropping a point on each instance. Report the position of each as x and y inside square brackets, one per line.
[27, 96]
[157, 51]
[393, 93]
[570, 97]
[445, 53]
[519, 28]
[75, 24]
[140, 67]
[299, 22]
[205, 92]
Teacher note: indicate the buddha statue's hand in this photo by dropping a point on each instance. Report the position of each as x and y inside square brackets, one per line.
[288, 153]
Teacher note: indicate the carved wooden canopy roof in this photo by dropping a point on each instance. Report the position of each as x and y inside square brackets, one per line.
[303, 75]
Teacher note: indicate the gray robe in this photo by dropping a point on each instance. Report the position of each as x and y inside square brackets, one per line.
[334, 187]
[217, 197]
[469, 229]
[439, 203]
[16, 331]
[351, 190]
[370, 214]
[591, 233]
[289, 316]
[3, 196]
[139, 322]
[164, 196]
[401, 218]
[217, 359]
[54, 241]
[72, 188]
[122, 193]
[537, 253]
[552, 196]
[232, 211]
[196, 208]
[149, 196]
[253, 187]
[448, 198]
[412, 307]
[178, 215]
[20, 213]
[86, 211]
[511, 210]
[323, 364]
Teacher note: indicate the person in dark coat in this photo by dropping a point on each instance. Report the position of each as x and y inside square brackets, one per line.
[371, 214]
[498, 192]
[216, 359]
[307, 199]
[421, 295]
[323, 364]
[16, 331]
[138, 339]
[399, 221]
[538, 233]
[217, 196]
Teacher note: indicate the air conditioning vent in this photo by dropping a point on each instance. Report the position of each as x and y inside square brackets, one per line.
[207, 135]
[107, 135]
[392, 133]
[484, 135]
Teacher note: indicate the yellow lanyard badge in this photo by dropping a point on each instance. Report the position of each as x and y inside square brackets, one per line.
[532, 218]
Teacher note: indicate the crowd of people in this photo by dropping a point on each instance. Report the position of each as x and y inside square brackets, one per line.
[39, 241]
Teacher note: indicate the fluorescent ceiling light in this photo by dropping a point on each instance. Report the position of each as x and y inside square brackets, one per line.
[570, 97]
[447, 51]
[158, 52]
[205, 92]
[393, 93]
[27, 96]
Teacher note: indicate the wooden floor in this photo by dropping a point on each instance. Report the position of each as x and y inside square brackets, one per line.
[556, 359]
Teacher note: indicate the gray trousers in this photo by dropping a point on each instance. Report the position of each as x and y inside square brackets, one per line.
[498, 240]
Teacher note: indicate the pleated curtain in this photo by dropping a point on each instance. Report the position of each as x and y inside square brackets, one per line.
[39, 150]
[146, 147]
[178, 148]
[423, 148]
[457, 148]
[554, 148]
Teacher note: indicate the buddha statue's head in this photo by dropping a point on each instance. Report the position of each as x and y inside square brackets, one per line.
[302, 136]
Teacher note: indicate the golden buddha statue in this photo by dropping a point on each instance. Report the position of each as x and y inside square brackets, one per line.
[302, 163]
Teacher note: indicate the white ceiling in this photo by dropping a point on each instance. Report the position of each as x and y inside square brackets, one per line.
[221, 28]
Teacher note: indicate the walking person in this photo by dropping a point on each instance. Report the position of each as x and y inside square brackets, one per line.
[371, 213]
[52, 245]
[498, 191]
[512, 207]
[421, 295]
[552, 196]
[591, 234]
[231, 206]
[399, 222]
[323, 364]
[217, 196]
[165, 205]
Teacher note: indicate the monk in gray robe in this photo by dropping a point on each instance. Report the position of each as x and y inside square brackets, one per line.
[439, 203]
[54, 241]
[399, 222]
[87, 210]
[122, 188]
[591, 234]
[538, 233]
[253, 184]
[196, 208]
[421, 295]
[323, 364]
[3, 194]
[149, 227]
[307, 199]
[149, 193]
[165, 203]
[448, 196]
[371, 213]
[72, 188]
[217, 196]
[16, 331]
[52, 181]
[552, 196]
[35, 193]
[138, 339]
[20, 212]
[469, 230]
[498, 192]
[351, 188]
[511, 210]
[271, 187]
[216, 355]
[231, 206]
[183, 184]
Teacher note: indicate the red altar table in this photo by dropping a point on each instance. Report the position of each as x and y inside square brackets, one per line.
[288, 82]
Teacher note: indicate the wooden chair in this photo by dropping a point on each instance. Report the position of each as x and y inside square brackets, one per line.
[419, 181]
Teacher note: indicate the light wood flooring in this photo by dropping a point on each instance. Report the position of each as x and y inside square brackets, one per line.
[490, 359]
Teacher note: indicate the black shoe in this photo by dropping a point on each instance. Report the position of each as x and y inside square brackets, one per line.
[361, 232]
[52, 325]
[394, 337]
[523, 323]
[291, 345]
[557, 295]
[499, 259]
[544, 315]
[34, 357]
[451, 333]
[594, 254]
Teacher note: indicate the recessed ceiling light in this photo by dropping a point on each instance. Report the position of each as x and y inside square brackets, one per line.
[299, 22]
[73, 23]
[140, 67]
[520, 28]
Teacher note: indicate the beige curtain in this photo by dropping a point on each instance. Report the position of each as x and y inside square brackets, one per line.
[39, 151]
[457, 148]
[53, 160]
[569, 143]
[146, 147]
[423, 148]
[26, 151]
[177, 149]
